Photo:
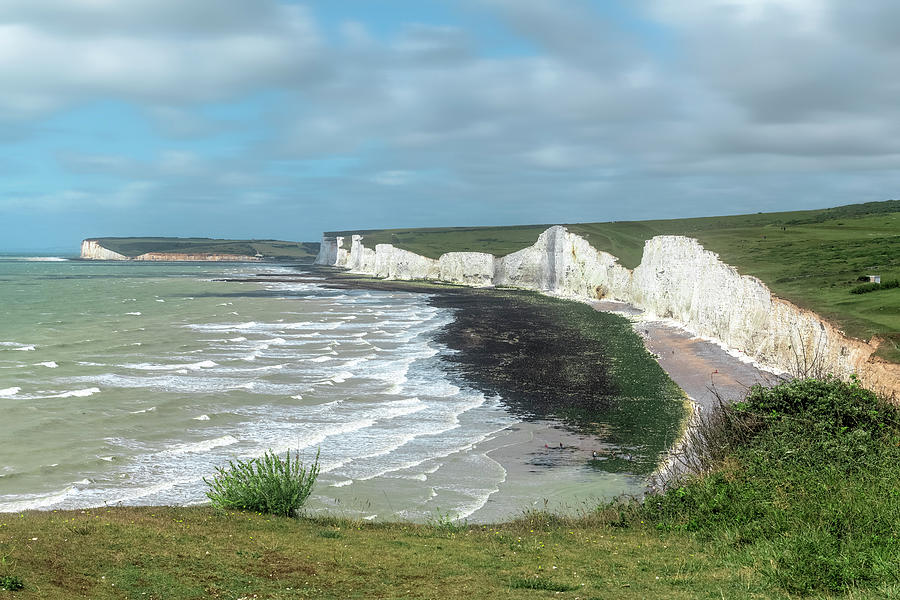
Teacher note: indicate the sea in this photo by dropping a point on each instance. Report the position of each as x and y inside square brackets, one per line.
[125, 383]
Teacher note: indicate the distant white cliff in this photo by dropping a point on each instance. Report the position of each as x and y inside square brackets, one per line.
[92, 250]
[677, 279]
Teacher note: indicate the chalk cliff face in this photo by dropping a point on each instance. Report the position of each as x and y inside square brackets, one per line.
[360, 259]
[395, 263]
[677, 279]
[327, 251]
[469, 268]
[92, 250]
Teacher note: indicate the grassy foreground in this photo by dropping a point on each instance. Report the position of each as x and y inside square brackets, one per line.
[796, 496]
[173, 553]
[812, 258]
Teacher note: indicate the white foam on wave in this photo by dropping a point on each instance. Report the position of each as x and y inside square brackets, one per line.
[77, 393]
[178, 367]
[480, 497]
[9, 392]
[173, 381]
[204, 446]
[319, 359]
[45, 259]
[13, 344]
[142, 411]
[150, 490]
[342, 483]
[50, 364]
[312, 325]
[202, 418]
[317, 436]
[354, 362]
[35, 501]
[258, 369]
[342, 377]
[223, 326]
[134, 314]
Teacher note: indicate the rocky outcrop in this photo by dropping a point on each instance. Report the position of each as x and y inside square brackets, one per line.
[677, 279]
[92, 250]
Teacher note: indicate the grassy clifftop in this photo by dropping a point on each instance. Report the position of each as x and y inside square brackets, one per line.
[812, 258]
[273, 249]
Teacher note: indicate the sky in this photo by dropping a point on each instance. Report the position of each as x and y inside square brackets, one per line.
[283, 119]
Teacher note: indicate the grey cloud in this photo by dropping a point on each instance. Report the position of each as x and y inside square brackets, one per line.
[430, 44]
[572, 29]
[755, 102]
[44, 67]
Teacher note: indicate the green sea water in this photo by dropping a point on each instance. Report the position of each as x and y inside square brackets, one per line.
[127, 383]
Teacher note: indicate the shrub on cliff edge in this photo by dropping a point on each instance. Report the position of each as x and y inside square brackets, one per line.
[266, 484]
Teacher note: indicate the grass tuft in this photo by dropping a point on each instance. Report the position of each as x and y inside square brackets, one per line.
[540, 583]
[267, 484]
[11, 583]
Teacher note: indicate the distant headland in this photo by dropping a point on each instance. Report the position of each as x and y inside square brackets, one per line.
[164, 249]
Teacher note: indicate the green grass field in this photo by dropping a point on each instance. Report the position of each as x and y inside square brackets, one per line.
[180, 553]
[270, 249]
[812, 258]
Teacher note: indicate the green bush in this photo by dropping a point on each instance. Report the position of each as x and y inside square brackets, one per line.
[11, 583]
[807, 490]
[874, 287]
[267, 484]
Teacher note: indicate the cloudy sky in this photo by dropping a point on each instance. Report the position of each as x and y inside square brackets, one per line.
[266, 118]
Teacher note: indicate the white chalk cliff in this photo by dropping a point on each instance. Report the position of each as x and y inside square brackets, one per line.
[92, 250]
[677, 279]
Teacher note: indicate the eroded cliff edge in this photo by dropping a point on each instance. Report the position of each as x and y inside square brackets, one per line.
[677, 279]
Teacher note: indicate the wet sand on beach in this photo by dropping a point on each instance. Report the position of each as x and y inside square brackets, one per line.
[703, 369]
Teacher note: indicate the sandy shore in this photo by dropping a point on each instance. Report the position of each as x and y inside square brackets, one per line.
[547, 467]
[703, 369]
[533, 453]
